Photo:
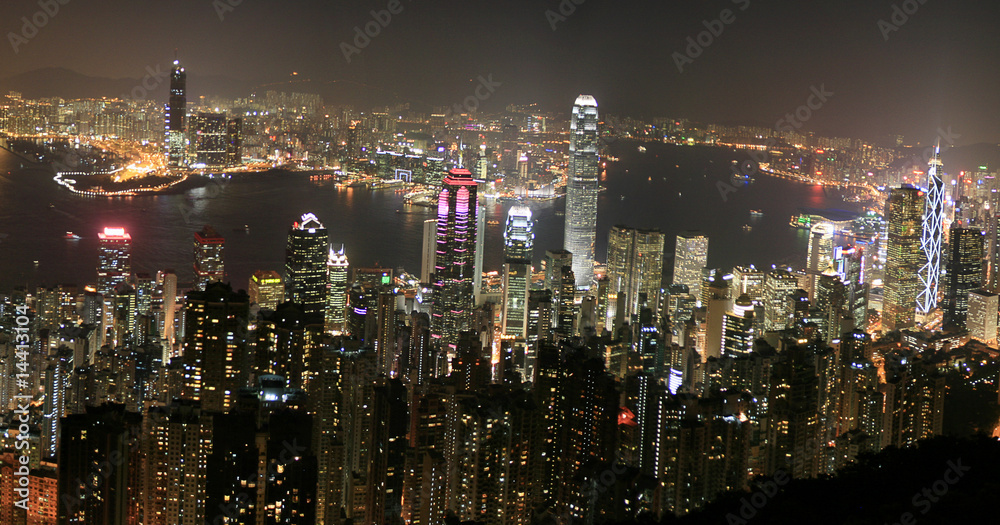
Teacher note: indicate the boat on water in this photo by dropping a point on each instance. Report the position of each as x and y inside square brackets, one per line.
[747, 227]
[756, 213]
[70, 236]
[642, 149]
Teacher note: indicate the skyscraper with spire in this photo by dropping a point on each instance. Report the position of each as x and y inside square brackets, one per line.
[306, 257]
[336, 293]
[581, 189]
[930, 240]
[175, 117]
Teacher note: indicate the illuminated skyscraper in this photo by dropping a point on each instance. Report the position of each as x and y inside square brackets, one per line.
[174, 117]
[931, 236]
[965, 271]
[690, 256]
[336, 294]
[982, 319]
[519, 239]
[89, 439]
[266, 289]
[215, 347]
[558, 265]
[211, 140]
[778, 285]
[749, 280]
[581, 189]
[306, 257]
[429, 250]
[234, 142]
[114, 260]
[719, 301]
[635, 266]
[738, 333]
[904, 257]
[167, 280]
[177, 442]
[455, 258]
[208, 262]
[819, 255]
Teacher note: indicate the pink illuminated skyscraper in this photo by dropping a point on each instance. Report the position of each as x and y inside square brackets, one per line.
[114, 259]
[455, 257]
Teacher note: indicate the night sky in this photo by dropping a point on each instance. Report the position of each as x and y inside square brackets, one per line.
[937, 69]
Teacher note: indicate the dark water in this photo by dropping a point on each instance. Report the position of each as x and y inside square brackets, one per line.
[668, 187]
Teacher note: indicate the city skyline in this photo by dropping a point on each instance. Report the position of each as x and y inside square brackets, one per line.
[398, 263]
[933, 37]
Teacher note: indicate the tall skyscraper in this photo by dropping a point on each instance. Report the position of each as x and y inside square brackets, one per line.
[234, 142]
[208, 262]
[336, 298]
[215, 346]
[738, 333]
[850, 265]
[982, 319]
[454, 267]
[992, 277]
[819, 255]
[778, 285]
[211, 140]
[748, 280]
[690, 256]
[519, 238]
[931, 236]
[177, 442]
[89, 439]
[965, 271]
[174, 117]
[904, 257]
[306, 257]
[114, 259]
[477, 259]
[719, 302]
[635, 266]
[266, 289]
[557, 264]
[581, 189]
[167, 280]
[429, 250]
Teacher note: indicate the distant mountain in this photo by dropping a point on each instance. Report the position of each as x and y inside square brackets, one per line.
[66, 83]
[69, 84]
[969, 158]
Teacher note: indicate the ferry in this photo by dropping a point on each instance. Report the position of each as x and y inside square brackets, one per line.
[70, 236]
[756, 213]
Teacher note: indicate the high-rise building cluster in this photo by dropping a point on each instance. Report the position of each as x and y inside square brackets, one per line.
[558, 387]
[203, 140]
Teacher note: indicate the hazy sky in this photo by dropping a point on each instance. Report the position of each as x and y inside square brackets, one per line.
[937, 69]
